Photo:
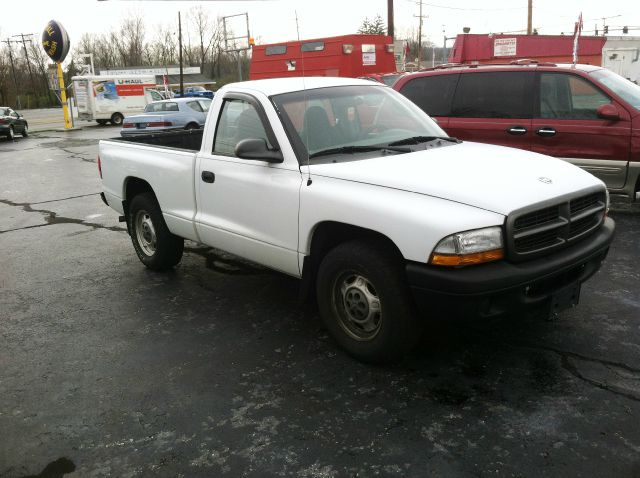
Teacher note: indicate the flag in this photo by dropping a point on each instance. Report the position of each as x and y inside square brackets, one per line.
[578, 30]
[165, 83]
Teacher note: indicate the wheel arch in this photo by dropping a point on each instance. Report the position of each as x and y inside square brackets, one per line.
[327, 235]
[132, 187]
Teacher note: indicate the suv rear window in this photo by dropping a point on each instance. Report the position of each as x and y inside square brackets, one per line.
[504, 94]
[433, 94]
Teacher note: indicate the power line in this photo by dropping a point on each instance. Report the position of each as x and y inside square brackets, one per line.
[446, 7]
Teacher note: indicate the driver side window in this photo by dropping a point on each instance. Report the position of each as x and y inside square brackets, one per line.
[238, 120]
[569, 97]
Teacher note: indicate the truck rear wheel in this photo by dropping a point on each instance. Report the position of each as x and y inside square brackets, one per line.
[365, 303]
[154, 244]
[116, 119]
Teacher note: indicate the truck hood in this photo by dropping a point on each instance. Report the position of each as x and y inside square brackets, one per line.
[494, 178]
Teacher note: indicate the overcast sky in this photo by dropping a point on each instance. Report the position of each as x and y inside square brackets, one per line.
[274, 20]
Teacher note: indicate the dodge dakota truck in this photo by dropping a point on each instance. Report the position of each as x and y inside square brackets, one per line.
[350, 187]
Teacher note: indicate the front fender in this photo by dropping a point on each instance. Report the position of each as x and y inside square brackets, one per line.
[414, 222]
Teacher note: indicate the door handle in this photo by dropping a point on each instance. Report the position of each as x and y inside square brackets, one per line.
[517, 130]
[208, 176]
[546, 131]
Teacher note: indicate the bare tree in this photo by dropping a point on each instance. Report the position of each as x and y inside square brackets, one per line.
[40, 60]
[129, 41]
[206, 31]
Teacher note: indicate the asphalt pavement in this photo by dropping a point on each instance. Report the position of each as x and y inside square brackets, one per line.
[215, 369]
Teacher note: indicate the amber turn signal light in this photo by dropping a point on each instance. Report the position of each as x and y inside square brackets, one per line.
[453, 260]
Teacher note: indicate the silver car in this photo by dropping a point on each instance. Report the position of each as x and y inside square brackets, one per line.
[168, 115]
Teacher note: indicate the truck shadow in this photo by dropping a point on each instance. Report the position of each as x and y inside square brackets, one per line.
[56, 469]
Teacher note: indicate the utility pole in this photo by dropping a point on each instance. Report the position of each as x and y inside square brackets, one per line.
[529, 17]
[420, 17]
[13, 70]
[390, 31]
[444, 45]
[26, 55]
[180, 54]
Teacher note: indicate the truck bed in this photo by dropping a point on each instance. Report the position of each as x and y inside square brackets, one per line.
[190, 139]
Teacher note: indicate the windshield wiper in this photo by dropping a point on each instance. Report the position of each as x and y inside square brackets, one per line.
[423, 139]
[358, 149]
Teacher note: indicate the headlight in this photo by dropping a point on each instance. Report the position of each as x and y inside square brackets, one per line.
[469, 247]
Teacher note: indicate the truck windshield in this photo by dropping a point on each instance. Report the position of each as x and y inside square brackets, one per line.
[625, 89]
[352, 119]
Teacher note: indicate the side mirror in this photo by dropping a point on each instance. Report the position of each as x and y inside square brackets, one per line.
[256, 149]
[608, 112]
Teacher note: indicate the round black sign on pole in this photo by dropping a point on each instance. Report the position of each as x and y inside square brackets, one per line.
[55, 41]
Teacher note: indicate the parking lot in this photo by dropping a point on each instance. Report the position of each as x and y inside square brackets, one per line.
[216, 369]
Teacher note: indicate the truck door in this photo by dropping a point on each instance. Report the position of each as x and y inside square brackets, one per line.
[248, 207]
[567, 126]
[493, 107]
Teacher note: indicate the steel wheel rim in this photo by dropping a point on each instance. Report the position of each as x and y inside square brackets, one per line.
[145, 233]
[358, 305]
[11, 133]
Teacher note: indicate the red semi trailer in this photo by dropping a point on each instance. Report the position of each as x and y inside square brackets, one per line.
[501, 48]
[347, 55]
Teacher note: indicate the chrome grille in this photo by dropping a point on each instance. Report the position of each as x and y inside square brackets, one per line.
[537, 231]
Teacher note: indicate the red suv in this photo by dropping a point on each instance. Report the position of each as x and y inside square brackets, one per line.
[584, 114]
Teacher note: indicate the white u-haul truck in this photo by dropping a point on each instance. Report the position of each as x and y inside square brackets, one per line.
[111, 98]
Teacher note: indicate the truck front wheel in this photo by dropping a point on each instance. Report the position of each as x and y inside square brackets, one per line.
[154, 244]
[365, 302]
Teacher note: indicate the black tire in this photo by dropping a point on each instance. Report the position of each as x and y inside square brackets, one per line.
[155, 246]
[192, 126]
[102, 122]
[25, 130]
[11, 134]
[116, 119]
[352, 277]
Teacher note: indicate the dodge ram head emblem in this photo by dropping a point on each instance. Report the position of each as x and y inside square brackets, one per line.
[542, 179]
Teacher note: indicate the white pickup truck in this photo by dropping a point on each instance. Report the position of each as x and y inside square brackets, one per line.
[352, 188]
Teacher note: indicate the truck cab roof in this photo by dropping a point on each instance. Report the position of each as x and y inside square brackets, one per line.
[276, 86]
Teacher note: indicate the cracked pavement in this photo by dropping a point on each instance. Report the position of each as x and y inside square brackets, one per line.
[215, 369]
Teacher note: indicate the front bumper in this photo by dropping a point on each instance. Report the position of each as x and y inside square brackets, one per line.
[500, 288]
